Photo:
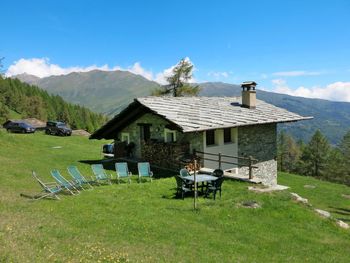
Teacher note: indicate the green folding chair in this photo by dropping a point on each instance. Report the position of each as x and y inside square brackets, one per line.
[100, 173]
[144, 171]
[78, 177]
[64, 183]
[122, 171]
[49, 189]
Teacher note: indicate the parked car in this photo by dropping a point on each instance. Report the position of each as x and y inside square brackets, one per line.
[21, 127]
[57, 128]
[108, 150]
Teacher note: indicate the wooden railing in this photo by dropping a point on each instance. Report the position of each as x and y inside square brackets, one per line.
[250, 161]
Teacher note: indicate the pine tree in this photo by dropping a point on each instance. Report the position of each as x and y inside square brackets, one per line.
[345, 150]
[315, 155]
[179, 81]
[288, 153]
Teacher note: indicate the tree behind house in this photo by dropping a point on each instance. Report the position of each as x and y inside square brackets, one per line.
[316, 154]
[178, 81]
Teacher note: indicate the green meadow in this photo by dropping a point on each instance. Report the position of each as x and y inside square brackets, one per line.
[146, 223]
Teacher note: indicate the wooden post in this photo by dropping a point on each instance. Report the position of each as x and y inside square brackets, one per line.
[219, 160]
[250, 167]
[195, 186]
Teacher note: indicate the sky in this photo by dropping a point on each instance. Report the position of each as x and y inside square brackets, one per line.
[296, 47]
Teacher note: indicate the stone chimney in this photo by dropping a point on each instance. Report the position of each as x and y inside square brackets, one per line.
[248, 94]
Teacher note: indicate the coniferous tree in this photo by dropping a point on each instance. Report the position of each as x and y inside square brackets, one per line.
[315, 155]
[345, 150]
[178, 81]
[288, 153]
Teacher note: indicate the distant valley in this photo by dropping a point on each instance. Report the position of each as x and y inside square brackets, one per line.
[110, 91]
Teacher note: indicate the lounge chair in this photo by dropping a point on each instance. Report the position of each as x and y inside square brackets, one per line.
[144, 171]
[49, 189]
[183, 186]
[215, 186]
[100, 173]
[122, 171]
[64, 183]
[78, 177]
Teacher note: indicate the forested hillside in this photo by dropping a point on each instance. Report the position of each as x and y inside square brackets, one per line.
[101, 91]
[31, 101]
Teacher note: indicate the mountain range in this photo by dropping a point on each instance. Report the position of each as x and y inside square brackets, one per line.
[110, 91]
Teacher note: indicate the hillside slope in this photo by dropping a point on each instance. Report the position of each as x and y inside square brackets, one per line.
[20, 100]
[112, 223]
[101, 91]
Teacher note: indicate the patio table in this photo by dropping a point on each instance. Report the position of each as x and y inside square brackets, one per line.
[201, 178]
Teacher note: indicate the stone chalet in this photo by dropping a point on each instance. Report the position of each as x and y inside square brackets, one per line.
[162, 130]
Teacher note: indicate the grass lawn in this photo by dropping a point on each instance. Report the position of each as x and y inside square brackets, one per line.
[145, 223]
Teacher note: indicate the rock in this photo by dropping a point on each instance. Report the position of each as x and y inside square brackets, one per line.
[342, 224]
[267, 189]
[309, 186]
[346, 196]
[251, 204]
[298, 198]
[81, 133]
[323, 213]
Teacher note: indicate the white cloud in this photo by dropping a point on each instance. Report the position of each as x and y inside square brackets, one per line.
[42, 67]
[296, 73]
[218, 74]
[137, 69]
[161, 76]
[337, 91]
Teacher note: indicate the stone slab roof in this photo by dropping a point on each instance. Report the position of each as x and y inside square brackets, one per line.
[190, 114]
[205, 113]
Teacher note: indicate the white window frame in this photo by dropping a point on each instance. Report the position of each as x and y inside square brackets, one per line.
[166, 131]
[127, 135]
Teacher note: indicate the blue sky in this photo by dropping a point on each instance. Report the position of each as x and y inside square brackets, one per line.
[297, 47]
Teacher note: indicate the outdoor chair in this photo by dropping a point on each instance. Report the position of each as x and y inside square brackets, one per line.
[122, 171]
[144, 171]
[184, 172]
[215, 186]
[100, 173]
[64, 183]
[78, 177]
[183, 186]
[49, 189]
[218, 173]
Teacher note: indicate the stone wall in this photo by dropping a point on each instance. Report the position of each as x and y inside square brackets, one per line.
[166, 155]
[259, 141]
[156, 129]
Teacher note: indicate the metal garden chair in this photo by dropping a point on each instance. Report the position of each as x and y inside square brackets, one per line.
[49, 189]
[144, 171]
[100, 173]
[78, 177]
[64, 183]
[122, 171]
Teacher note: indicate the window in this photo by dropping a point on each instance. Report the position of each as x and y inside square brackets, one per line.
[169, 135]
[125, 137]
[227, 135]
[210, 137]
[145, 132]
